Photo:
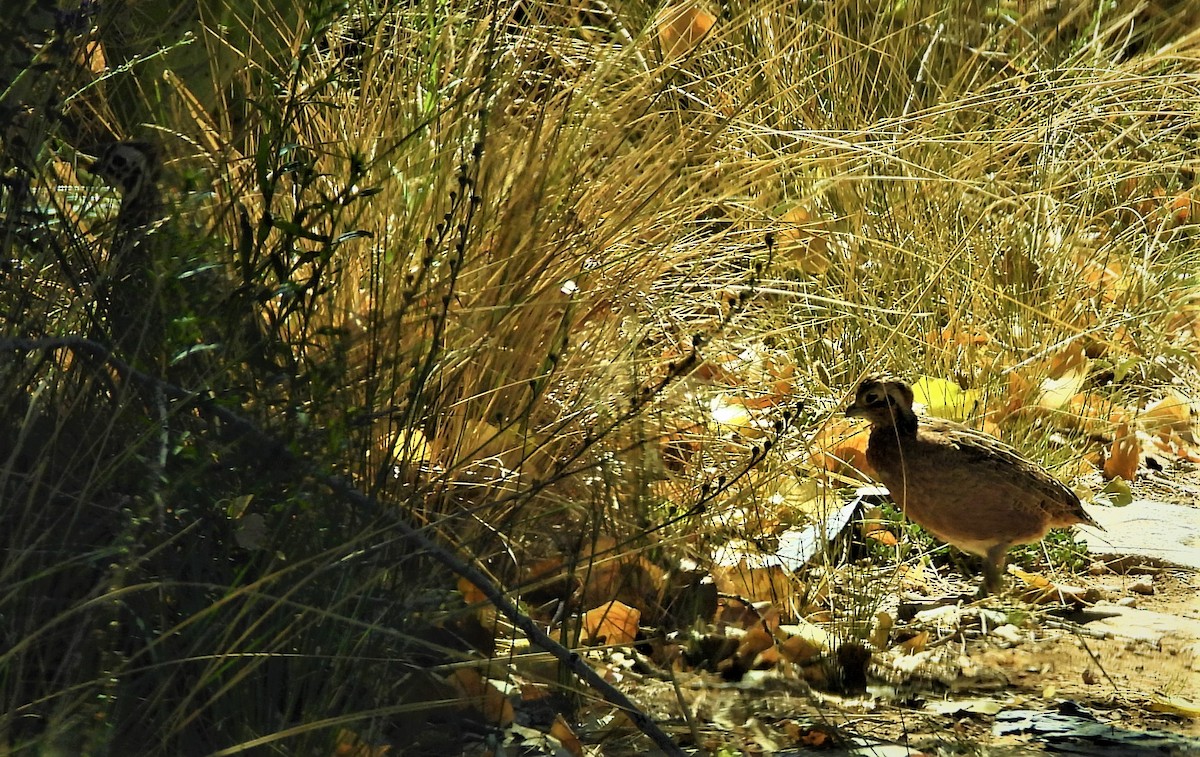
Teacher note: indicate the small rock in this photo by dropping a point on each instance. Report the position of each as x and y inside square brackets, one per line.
[1127, 602]
[1009, 633]
[1144, 586]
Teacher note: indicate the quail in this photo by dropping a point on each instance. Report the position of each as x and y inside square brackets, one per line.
[128, 292]
[964, 487]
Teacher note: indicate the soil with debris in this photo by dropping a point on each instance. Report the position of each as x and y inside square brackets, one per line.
[1114, 669]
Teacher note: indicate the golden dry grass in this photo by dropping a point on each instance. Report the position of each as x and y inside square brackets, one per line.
[545, 277]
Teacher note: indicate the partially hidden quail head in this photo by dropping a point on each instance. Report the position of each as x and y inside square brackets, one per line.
[131, 167]
[963, 486]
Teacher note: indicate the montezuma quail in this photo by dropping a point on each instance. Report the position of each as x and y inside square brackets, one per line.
[127, 290]
[963, 486]
[132, 167]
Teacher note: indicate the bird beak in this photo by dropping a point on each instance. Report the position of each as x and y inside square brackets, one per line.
[854, 411]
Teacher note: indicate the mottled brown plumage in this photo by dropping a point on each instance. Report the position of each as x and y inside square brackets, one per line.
[963, 486]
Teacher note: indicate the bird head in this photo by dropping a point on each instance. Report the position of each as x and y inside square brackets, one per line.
[882, 400]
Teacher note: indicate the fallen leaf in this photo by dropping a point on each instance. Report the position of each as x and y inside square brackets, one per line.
[1103, 275]
[882, 629]
[1043, 591]
[1020, 394]
[480, 694]
[798, 649]
[1124, 456]
[716, 370]
[840, 447]
[411, 447]
[1093, 413]
[818, 737]
[944, 399]
[91, 56]
[561, 731]
[1056, 391]
[1182, 208]
[632, 579]
[802, 242]
[754, 642]
[1126, 187]
[1176, 706]
[611, 623]
[814, 636]
[1172, 413]
[1116, 493]
[350, 744]
[761, 583]
[470, 592]
[680, 28]
[733, 414]
[915, 644]
[883, 536]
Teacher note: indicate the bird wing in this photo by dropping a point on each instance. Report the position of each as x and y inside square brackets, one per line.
[990, 456]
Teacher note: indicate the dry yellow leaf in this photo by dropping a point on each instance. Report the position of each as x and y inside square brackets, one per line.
[481, 695]
[350, 744]
[734, 414]
[1042, 590]
[915, 644]
[1176, 706]
[1124, 456]
[769, 583]
[92, 58]
[680, 28]
[561, 731]
[1104, 276]
[841, 447]
[1171, 414]
[802, 242]
[797, 649]
[944, 399]
[411, 447]
[882, 629]
[611, 623]
[1067, 372]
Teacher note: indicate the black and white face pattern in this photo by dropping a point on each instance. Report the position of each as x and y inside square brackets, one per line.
[127, 166]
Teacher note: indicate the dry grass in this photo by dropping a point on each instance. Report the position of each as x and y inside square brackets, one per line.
[465, 257]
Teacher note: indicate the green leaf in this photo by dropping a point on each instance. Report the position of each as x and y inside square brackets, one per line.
[1116, 493]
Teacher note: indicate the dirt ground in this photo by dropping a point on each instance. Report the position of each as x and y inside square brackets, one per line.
[1137, 670]
[1124, 654]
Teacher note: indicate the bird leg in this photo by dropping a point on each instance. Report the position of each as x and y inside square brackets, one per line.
[993, 570]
